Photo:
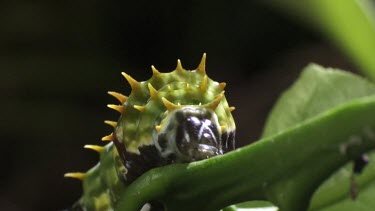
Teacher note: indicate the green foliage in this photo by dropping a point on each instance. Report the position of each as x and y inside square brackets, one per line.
[316, 91]
[324, 121]
[350, 24]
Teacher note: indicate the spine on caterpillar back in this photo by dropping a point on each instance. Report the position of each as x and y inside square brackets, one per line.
[180, 116]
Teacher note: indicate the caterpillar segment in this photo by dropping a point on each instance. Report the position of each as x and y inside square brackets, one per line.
[179, 116]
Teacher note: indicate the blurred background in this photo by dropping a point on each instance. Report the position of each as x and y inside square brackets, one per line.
[59, 58]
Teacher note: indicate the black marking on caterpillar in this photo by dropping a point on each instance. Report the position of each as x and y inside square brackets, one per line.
[180, 116]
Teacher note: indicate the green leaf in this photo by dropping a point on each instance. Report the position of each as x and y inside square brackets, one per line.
[316, 91]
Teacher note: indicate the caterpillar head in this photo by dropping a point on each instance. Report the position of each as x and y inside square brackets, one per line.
[190, 133]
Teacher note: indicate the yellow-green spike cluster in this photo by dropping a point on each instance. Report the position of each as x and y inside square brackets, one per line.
[151, 100]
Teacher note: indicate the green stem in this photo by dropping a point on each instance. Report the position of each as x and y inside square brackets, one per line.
[286, 169]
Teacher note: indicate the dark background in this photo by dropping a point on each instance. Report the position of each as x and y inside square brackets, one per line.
[59, 58]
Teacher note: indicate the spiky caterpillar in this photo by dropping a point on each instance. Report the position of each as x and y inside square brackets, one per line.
[180, 116]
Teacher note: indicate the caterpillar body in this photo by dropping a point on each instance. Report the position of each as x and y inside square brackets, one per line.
[180, 116]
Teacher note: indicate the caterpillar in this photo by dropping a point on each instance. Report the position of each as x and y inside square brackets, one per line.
[176, 117]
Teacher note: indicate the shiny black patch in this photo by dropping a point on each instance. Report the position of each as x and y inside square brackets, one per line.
[197, 136]
[193, 131]
[135, 164]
